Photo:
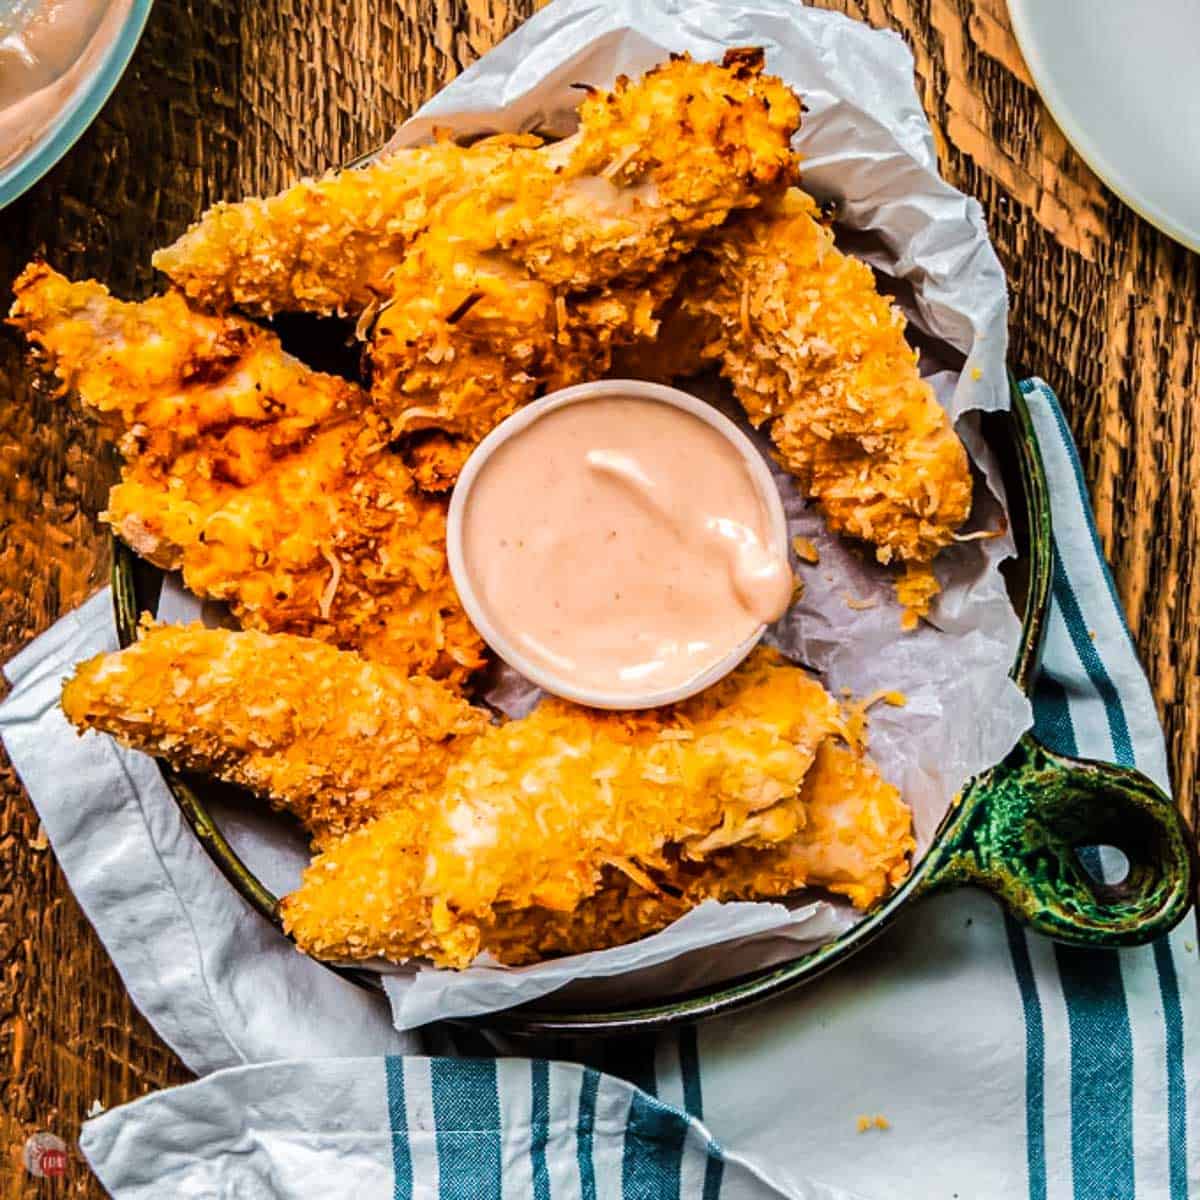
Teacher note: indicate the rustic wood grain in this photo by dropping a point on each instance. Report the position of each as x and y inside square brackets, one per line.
[227, 97]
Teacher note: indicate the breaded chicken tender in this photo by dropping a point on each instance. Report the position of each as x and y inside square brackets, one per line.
[465, 343]
[166, 378]
[534, 811]
[855, 839]
[655, 163]
[568, 830]
[318, 732]
[325, 245]
[816, 354]
[529, 281]
[270, 485]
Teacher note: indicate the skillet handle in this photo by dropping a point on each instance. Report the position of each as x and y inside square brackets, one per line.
[1021, 824]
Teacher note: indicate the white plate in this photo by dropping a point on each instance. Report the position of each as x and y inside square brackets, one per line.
[1122, 79]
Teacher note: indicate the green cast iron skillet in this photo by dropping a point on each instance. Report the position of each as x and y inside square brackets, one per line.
[1015, 831]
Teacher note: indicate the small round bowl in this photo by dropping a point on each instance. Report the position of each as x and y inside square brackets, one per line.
[513, 426]
[79, 96]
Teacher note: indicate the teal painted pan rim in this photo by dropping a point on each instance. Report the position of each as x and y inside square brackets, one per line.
[80, 112]
[1015, 831]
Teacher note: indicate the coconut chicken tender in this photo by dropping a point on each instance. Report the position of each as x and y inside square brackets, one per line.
[818, 356]
[464, 344]
[325, 245]
[529, 281]
[540, 814]
[318, 732]
[655, 163]
[855, 839]
[268, 484]
[568, 830]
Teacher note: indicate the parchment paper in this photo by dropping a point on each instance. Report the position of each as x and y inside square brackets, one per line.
[868, 148]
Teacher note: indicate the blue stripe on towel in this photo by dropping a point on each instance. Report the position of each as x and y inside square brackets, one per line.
[654, 1138]
[539, 1127]
[1035, 1060]
[1101, 1074]
[466, 1107]
[714, 1172]
[1164, 961]
[1052, 724]
[1097, 673]
[689, 1069]
[585, 1128]
[1028, 388]
[402, 1189]
[1168, 986]
[1097, 1014]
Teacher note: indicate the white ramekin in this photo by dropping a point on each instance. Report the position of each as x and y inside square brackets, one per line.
[522, 419]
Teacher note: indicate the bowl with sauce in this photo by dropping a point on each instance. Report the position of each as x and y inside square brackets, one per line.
[59, 62]
[621, 544]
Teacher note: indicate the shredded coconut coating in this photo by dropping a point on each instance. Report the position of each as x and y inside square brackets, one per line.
[534, 811]
[568, 830]
[171, 378]
[816, 354]
[529, 281]
[665, 158]
[855, 839]
[325, 245]
[270, 485]
[467, 341]
[321, 733]
[657, 162]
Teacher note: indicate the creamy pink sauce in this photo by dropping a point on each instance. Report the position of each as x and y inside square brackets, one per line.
[48, 51]
[622, 544]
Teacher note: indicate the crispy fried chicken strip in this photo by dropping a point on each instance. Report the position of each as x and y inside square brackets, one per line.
[465, 343]
[269, 485]
[534, 811]
[566, 831]
[817, 354]
[855, 840]
[529, 281]
[321, 733]
[325, 245]
[655, 163]
[166, 378]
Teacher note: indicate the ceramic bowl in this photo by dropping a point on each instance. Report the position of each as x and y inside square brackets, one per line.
[71, 103]
[513, 426]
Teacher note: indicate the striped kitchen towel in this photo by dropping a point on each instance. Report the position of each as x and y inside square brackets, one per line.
[960, 1058]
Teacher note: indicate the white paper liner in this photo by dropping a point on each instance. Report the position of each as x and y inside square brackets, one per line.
[867, 147]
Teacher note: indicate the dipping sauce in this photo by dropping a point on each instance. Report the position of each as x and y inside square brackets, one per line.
[622, 545]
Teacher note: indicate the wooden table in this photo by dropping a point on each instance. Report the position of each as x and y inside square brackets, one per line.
[229, 97]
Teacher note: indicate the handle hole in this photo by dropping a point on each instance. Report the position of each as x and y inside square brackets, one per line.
[1108, 866]
[1108, 871]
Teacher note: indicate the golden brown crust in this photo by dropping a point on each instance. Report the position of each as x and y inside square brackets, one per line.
[818, 356]
[568, 830]
[330, 245]
[657, 162]
[855, 840]
[270, 485]
[536, 814]
[466, 342]
[325, 245]
[529, 281]
[326, 735]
